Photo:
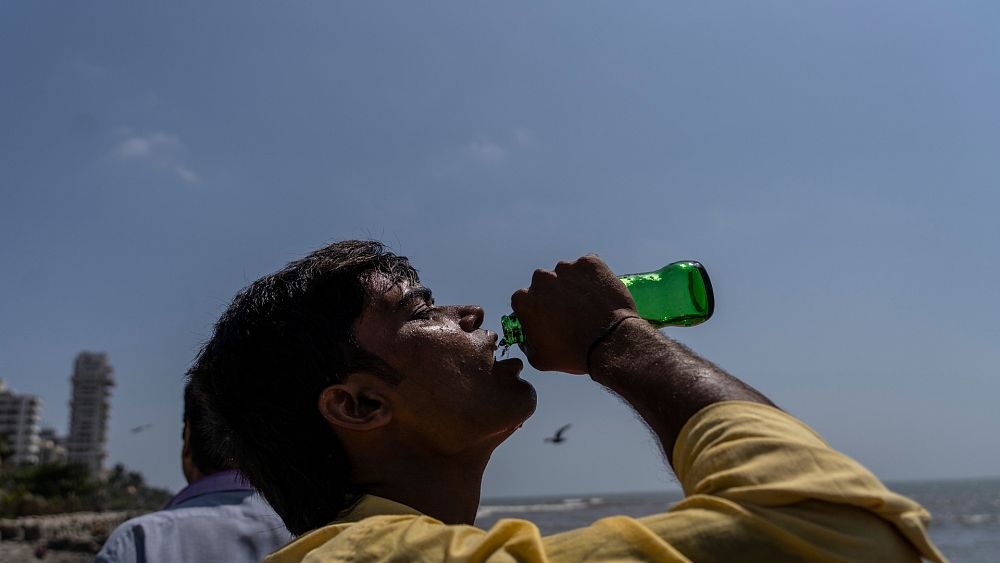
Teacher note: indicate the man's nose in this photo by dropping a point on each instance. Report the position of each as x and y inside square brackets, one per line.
[470, 317]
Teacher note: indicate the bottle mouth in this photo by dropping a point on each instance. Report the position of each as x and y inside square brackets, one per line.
[707, 307]
[512, 331]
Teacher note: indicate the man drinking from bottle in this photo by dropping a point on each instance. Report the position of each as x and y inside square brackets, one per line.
[366, 414]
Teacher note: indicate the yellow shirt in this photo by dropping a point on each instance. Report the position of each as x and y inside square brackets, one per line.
[759, 486]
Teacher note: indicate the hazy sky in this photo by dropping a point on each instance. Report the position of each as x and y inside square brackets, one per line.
[834, 165]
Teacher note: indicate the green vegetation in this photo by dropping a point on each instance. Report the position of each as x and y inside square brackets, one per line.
[65, 487]
[127, 490]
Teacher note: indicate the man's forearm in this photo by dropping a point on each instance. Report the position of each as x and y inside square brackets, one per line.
[664, 381]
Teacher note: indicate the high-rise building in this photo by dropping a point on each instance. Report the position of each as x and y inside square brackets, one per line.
[89, 406]
[19, 416]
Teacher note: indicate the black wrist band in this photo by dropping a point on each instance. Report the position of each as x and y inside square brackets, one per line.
[607, 332]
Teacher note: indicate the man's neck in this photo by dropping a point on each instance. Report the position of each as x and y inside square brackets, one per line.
[448, 492]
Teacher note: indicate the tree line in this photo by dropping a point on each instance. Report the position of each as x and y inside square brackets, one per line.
[56, 488]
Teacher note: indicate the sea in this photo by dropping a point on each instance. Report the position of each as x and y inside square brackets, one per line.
[965, 525]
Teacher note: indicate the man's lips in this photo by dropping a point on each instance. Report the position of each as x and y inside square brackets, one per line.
[512, 366]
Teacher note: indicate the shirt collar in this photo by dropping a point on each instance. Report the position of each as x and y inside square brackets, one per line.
[228, 480]
[367, 506]
[371, 505]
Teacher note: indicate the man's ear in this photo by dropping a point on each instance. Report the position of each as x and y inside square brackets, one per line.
[357, 404]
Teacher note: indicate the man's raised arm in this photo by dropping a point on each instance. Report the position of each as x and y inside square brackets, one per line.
[759, 485]
[581, 319]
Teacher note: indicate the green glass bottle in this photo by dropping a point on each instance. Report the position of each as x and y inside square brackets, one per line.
[678, 294]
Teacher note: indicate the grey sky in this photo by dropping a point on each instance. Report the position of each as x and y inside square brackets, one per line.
[833, 164]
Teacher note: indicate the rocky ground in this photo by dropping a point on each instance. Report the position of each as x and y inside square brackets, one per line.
[18, 552]
[61, 538]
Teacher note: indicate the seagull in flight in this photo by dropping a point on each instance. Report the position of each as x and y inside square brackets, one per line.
[141, 428]
[558, 438]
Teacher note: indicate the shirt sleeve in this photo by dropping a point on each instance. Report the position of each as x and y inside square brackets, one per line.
[762, 486]
[759, 486]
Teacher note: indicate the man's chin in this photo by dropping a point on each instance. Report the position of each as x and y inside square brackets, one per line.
[534, 400]
[517, 411]
[528, 404]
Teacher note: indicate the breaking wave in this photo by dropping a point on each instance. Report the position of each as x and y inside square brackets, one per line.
[565, 505]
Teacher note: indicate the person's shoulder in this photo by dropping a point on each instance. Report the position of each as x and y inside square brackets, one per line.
[237, 514]
[121, 545]
[142, 521]
[411, 537]
[251, 524]
[149, 522]
[191, 515]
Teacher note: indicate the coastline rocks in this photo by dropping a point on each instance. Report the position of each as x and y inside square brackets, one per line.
[79, 532]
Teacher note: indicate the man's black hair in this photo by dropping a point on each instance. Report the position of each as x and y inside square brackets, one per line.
[207, 459]
[284, 339]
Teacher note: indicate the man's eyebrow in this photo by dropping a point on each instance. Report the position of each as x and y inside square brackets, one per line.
[414, 294]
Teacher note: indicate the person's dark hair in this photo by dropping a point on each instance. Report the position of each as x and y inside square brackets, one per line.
[206, 458]
[284, 339]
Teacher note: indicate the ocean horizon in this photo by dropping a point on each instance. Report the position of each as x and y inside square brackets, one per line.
[965, 512]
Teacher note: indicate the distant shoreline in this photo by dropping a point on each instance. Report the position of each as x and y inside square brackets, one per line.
[674, 488]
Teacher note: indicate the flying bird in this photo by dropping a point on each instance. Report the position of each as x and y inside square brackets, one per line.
[558, 438]
[141, 428]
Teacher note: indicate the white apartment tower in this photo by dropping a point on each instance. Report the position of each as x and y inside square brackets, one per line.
[19, 416]
[89, 406]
